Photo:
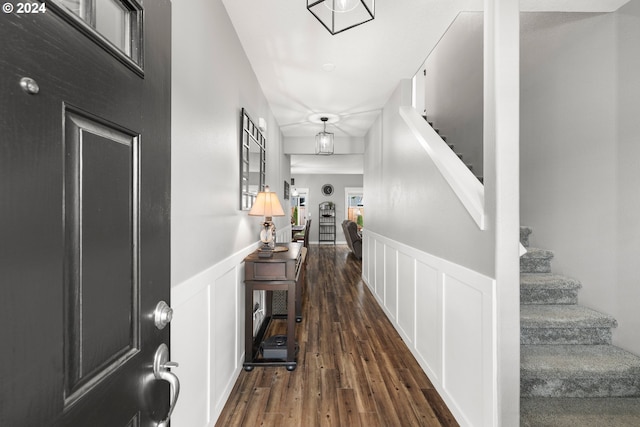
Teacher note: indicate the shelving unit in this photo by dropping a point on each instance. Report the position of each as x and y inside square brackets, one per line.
[327, 222]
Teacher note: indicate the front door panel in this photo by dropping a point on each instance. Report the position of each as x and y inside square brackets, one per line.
[101, 222]
[84, 220]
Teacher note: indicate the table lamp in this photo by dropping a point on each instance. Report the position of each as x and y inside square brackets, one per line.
[267, 205]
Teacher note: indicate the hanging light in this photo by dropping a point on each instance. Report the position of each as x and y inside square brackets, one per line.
[324, 139]
[341, 5]
[340, 15]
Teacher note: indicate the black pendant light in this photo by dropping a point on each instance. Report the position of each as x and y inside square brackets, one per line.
[340, 15]
[324, 140]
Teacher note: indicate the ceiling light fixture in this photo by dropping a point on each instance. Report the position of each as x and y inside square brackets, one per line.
[340, 15]
[341, 5]
[324, 139]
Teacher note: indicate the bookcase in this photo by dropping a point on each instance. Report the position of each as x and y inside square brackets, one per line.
[327, 222]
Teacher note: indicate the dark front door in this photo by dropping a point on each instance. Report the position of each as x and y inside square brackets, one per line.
[84, 211]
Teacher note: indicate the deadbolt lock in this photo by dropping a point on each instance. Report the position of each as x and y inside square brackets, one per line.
[162, 315]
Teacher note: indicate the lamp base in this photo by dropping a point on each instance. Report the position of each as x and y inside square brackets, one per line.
[265, 251]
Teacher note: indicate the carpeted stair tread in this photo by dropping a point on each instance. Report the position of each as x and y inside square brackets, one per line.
[548, 288]
[536, 261]
[563, 316]
[538, 253]
[577, 361]
[571, 412]
[548, 281]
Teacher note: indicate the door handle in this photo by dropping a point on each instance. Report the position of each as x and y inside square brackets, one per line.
[161, 371]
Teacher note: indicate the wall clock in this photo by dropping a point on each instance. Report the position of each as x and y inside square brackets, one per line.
[327, 189]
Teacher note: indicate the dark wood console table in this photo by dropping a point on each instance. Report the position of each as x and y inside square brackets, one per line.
[284, 271]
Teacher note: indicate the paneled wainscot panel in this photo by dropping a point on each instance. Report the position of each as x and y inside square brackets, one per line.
[391, 282]
[428, 345]
[379, 266]
[407, 296]
[449, 326]
[211, 354]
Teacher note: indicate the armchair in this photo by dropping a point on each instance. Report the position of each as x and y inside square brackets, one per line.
[354, 240]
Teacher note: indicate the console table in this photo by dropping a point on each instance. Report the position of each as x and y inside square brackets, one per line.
[284, 271]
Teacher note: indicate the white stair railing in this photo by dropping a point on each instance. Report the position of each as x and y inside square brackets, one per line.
[464, 184]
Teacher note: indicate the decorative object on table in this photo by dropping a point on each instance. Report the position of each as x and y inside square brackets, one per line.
[324, 139]
[340, 15]
[267, 205]
[327, 189]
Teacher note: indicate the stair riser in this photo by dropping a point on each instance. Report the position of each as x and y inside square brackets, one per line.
[580, 387]
[524, 236]
[548, 296]
[535, 265]
[558, 336]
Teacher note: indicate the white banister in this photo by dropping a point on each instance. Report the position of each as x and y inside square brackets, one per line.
[464, 184]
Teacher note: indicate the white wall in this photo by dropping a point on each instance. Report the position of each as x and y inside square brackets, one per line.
[580, 151]
[212, 81]
[409, 201]
[429, 266]
[453, 87]
[628, 178]
[420, 238]
[314, 183]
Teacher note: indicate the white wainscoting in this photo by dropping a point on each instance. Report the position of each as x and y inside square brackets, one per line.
[446, 315]
[207, 337]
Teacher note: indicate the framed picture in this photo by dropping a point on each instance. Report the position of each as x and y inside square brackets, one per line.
[286, 190]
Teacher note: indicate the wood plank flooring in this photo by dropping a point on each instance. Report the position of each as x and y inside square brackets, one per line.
[353, 367]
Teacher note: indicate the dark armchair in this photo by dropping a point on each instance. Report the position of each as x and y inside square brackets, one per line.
[354, 240]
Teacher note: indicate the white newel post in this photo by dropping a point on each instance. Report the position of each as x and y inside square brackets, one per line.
[501, 145]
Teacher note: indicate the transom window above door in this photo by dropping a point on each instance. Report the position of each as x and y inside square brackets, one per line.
[116, 24]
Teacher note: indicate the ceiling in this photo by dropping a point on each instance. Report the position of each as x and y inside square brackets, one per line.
[288, 49]
[304, 70]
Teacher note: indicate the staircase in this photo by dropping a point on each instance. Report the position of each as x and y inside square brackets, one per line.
[453, 148]
[566, 349]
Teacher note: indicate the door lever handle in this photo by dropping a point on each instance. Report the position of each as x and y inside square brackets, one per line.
[161, 366]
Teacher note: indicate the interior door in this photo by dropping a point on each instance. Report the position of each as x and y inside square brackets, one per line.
[84, 212]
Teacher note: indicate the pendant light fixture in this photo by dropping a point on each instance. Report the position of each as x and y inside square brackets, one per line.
[341, 5]
[324, 139]
[340, 15]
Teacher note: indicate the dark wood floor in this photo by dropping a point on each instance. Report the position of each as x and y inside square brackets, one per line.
[353, 367]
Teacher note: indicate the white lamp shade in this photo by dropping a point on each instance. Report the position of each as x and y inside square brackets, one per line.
[266, 204]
